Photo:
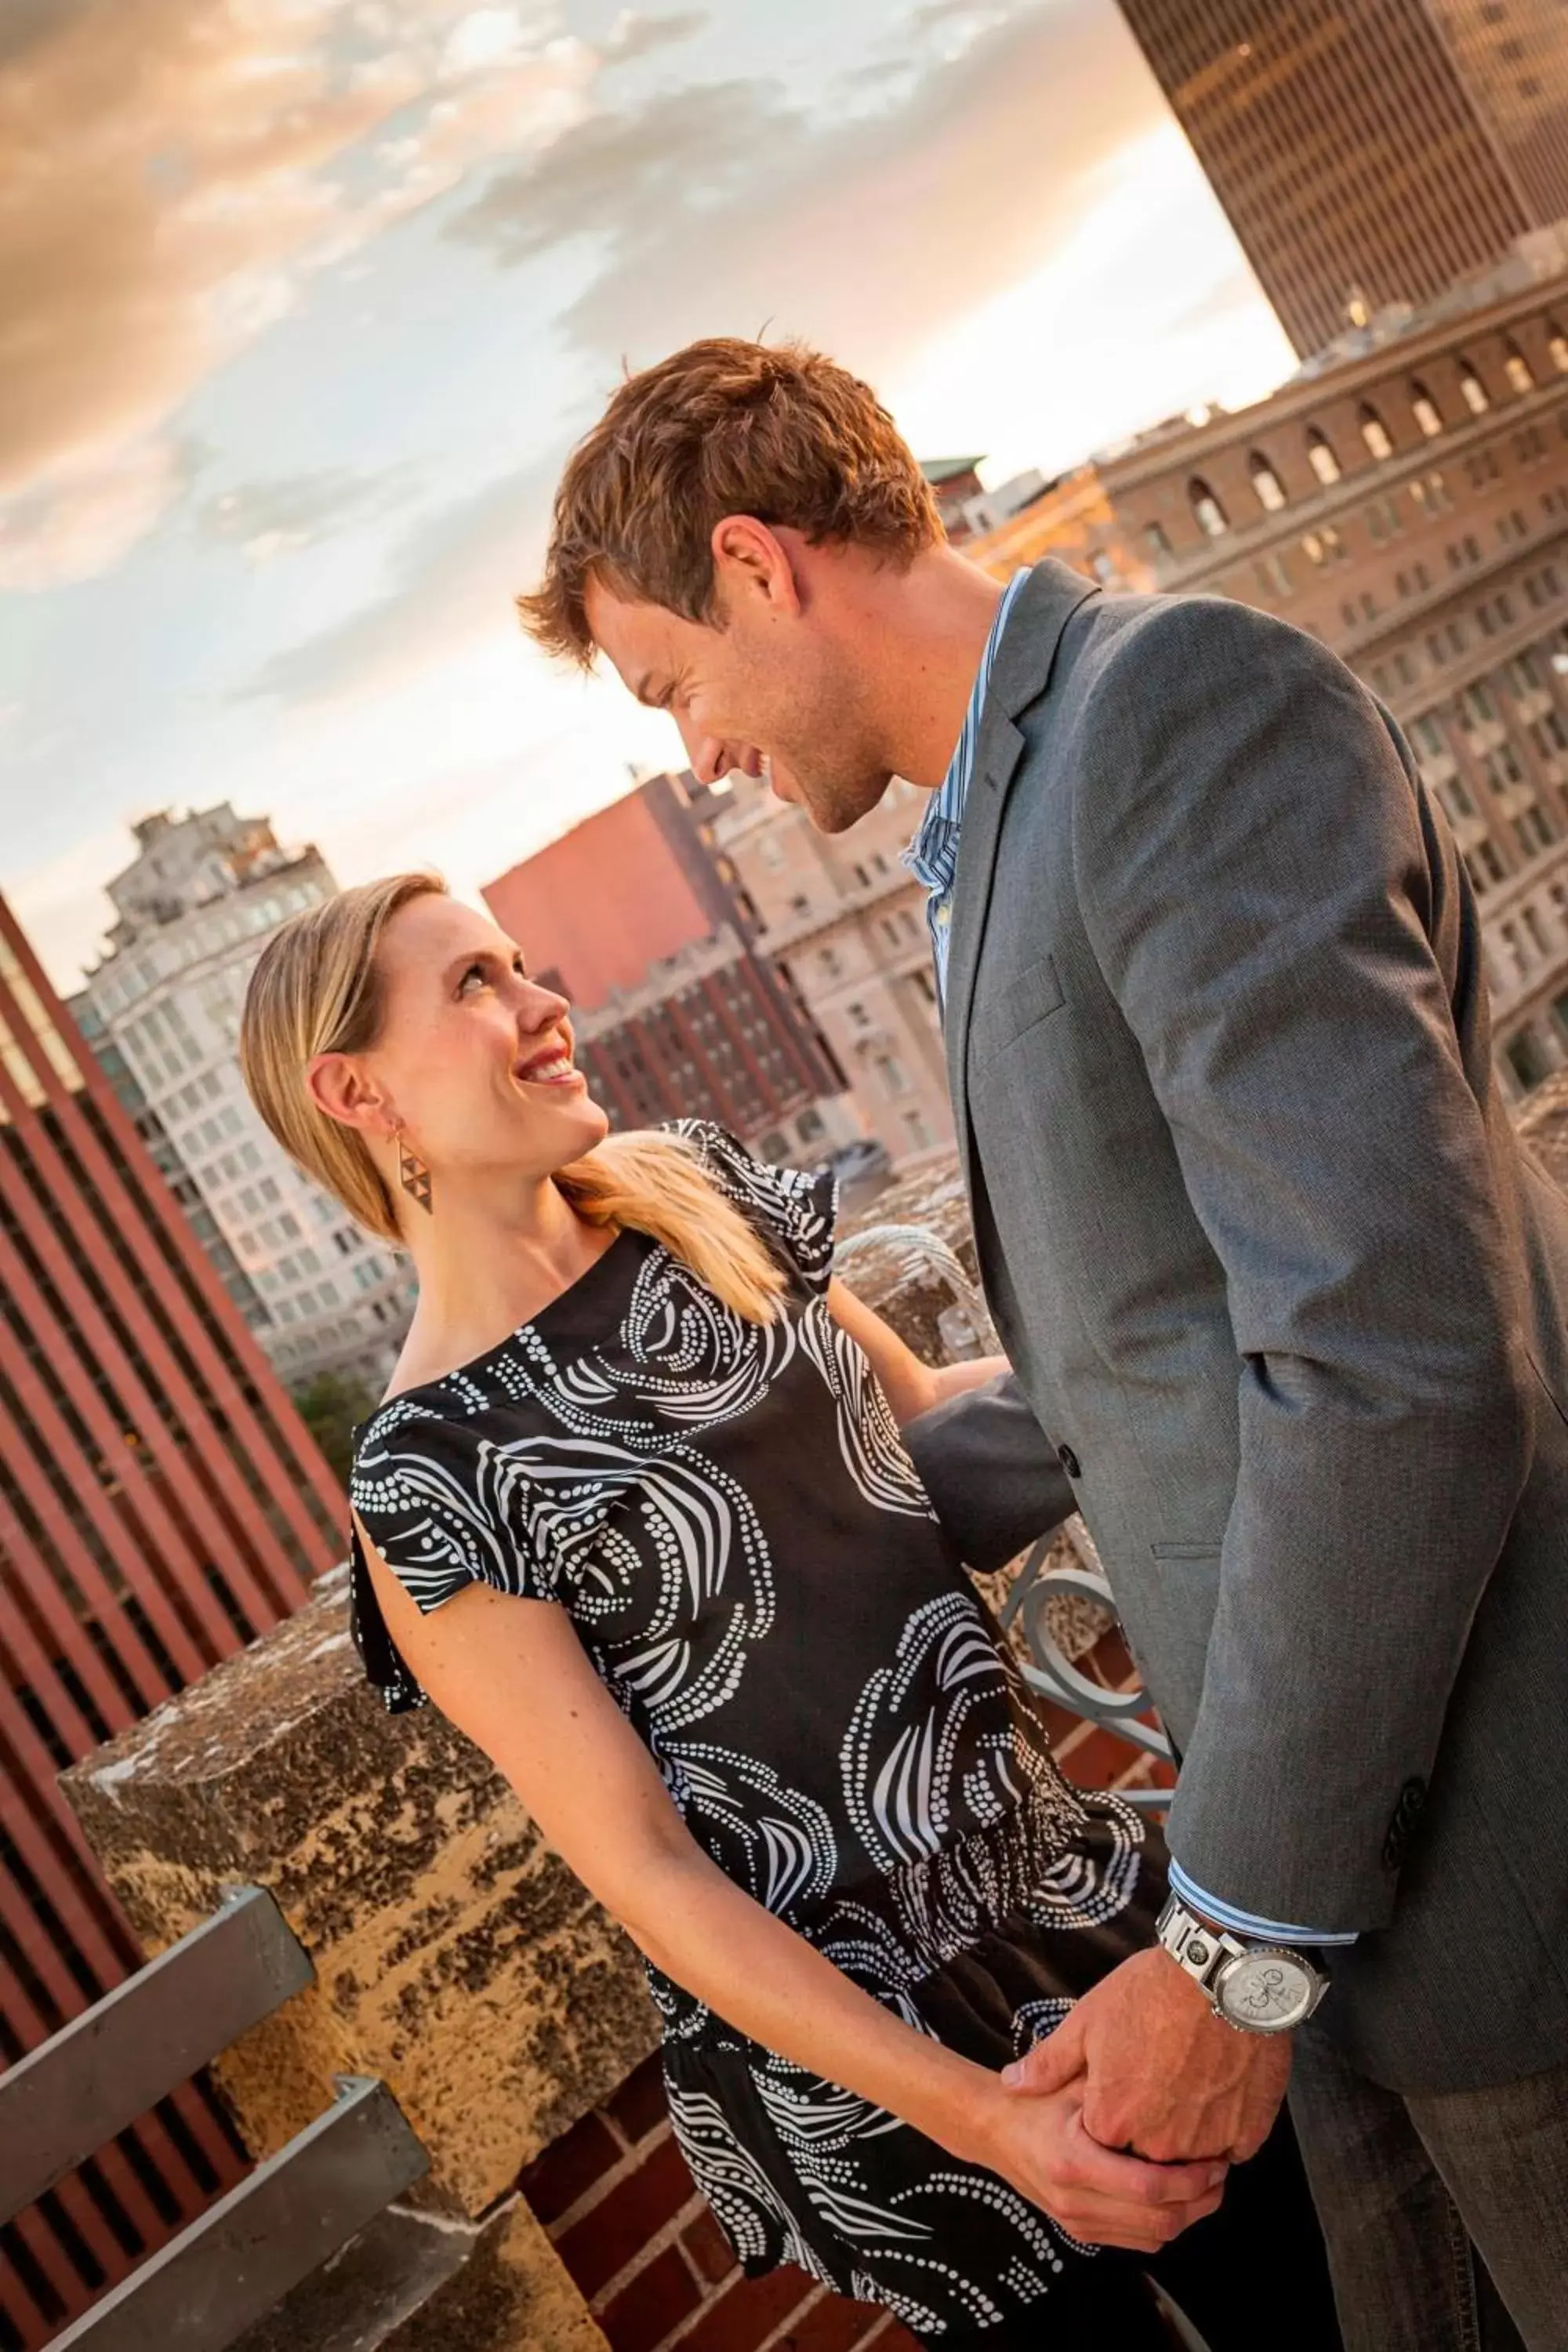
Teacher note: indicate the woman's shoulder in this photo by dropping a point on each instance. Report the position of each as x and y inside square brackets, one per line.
[793, 1207]
[445, 1418]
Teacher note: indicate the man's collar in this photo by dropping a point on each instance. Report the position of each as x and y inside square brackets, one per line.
[1049, 596]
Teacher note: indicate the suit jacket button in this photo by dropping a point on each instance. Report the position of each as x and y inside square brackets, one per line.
[1406, 1813]
[1069, 1462]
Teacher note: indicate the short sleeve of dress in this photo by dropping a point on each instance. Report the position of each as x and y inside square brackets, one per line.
[794, 1209]
[442, 1503]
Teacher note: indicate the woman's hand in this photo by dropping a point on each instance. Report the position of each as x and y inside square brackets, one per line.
[1097, 2196]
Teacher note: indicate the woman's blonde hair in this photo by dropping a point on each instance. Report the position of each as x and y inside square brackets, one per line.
[317, 989]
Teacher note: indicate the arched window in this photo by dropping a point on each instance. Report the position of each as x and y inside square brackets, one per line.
[1478, 399]
[1516, 367]
[1375, 432]
[1267, 483]
[1212, 518]
[1426, 411]
[1320, 456]
[1158, 544]
[1557, 344]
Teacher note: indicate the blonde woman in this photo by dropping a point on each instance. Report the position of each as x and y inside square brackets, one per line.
[636, 1515]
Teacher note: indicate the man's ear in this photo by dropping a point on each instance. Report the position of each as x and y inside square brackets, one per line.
[337, 1086]
[749, 560]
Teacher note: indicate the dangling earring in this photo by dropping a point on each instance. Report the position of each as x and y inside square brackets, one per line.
[414, 1177]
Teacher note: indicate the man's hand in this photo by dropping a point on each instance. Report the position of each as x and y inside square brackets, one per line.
[1163, 2075]
[1099, 2197]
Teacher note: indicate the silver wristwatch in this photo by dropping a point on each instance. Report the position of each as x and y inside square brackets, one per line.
[1258, 1987]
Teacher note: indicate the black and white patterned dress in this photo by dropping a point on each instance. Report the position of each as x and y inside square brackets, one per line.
[729, 1517]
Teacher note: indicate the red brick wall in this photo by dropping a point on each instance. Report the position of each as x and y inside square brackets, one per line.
[618, 2202]
[646, 2252]
[602, 904]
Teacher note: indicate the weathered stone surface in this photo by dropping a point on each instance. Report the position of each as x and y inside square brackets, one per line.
[414, 2282]
[456, 1955]
[1542, 1123]
[907, 1292]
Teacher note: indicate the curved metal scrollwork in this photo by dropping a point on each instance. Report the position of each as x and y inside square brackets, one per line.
[1052, 1673]
[927, 1250]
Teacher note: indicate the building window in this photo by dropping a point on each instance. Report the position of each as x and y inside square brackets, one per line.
[891, 1072]
[1273, 576]
[1503, 769]
[809, 1127]
[1428, 736]
[1477, 708]
[1375, 433]
[1424, 408]
[771, 850]
[858, 1015]
[1270, 489]
[1320, 456]
[1210, 516]
[1550, 737]
[1478, 399]
[918, 1132]
[1557, 344]
[1158, 542]
[1516, 367]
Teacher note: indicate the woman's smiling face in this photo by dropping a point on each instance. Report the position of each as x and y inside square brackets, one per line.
[476, 1058]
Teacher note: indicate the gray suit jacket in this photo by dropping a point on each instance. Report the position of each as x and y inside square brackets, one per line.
[1283, 1291]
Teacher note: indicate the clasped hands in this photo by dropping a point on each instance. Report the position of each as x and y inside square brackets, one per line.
[1123, 2123]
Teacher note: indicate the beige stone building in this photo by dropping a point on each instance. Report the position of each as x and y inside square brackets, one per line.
[1405, 499]
[844, 919]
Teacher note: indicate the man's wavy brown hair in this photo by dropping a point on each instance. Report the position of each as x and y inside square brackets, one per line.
[722, 427]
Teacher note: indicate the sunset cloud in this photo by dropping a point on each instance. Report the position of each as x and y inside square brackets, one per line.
[173, 172]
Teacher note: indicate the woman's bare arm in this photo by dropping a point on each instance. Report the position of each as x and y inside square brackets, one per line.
[910, 1387]
[512, 1675]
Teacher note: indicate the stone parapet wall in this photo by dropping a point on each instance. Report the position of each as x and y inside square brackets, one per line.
[456, 1956]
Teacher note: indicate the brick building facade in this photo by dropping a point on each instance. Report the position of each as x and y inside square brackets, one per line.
[160, 1505]
[843, 920]
[640, 917]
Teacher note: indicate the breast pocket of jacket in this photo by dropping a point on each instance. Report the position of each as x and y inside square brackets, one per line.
[1030, 997]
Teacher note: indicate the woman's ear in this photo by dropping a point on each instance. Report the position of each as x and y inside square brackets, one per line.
[338, 1087]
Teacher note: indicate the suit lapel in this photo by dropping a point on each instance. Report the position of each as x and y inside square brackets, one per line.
[1021, 676]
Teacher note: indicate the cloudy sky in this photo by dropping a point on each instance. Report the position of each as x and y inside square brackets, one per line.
[302, 301]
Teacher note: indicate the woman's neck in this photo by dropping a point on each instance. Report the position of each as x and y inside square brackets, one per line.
[487, 1266]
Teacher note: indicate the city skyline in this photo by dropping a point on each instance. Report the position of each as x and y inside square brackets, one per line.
[259, 534]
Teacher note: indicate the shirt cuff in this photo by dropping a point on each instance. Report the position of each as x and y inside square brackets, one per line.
[1246, 1923]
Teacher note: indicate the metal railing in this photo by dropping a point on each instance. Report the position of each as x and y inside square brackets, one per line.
[1048, 1670]
[237, 2261]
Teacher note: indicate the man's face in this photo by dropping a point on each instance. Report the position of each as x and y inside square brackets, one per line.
[764, 690]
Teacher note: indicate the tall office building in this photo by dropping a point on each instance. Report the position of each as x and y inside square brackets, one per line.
[193, 912]
[161, 1504]
[1368, 153]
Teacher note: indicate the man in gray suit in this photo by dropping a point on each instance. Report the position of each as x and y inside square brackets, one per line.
[1278, 1281]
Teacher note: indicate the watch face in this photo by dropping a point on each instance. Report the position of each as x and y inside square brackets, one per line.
[1268, 1992]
